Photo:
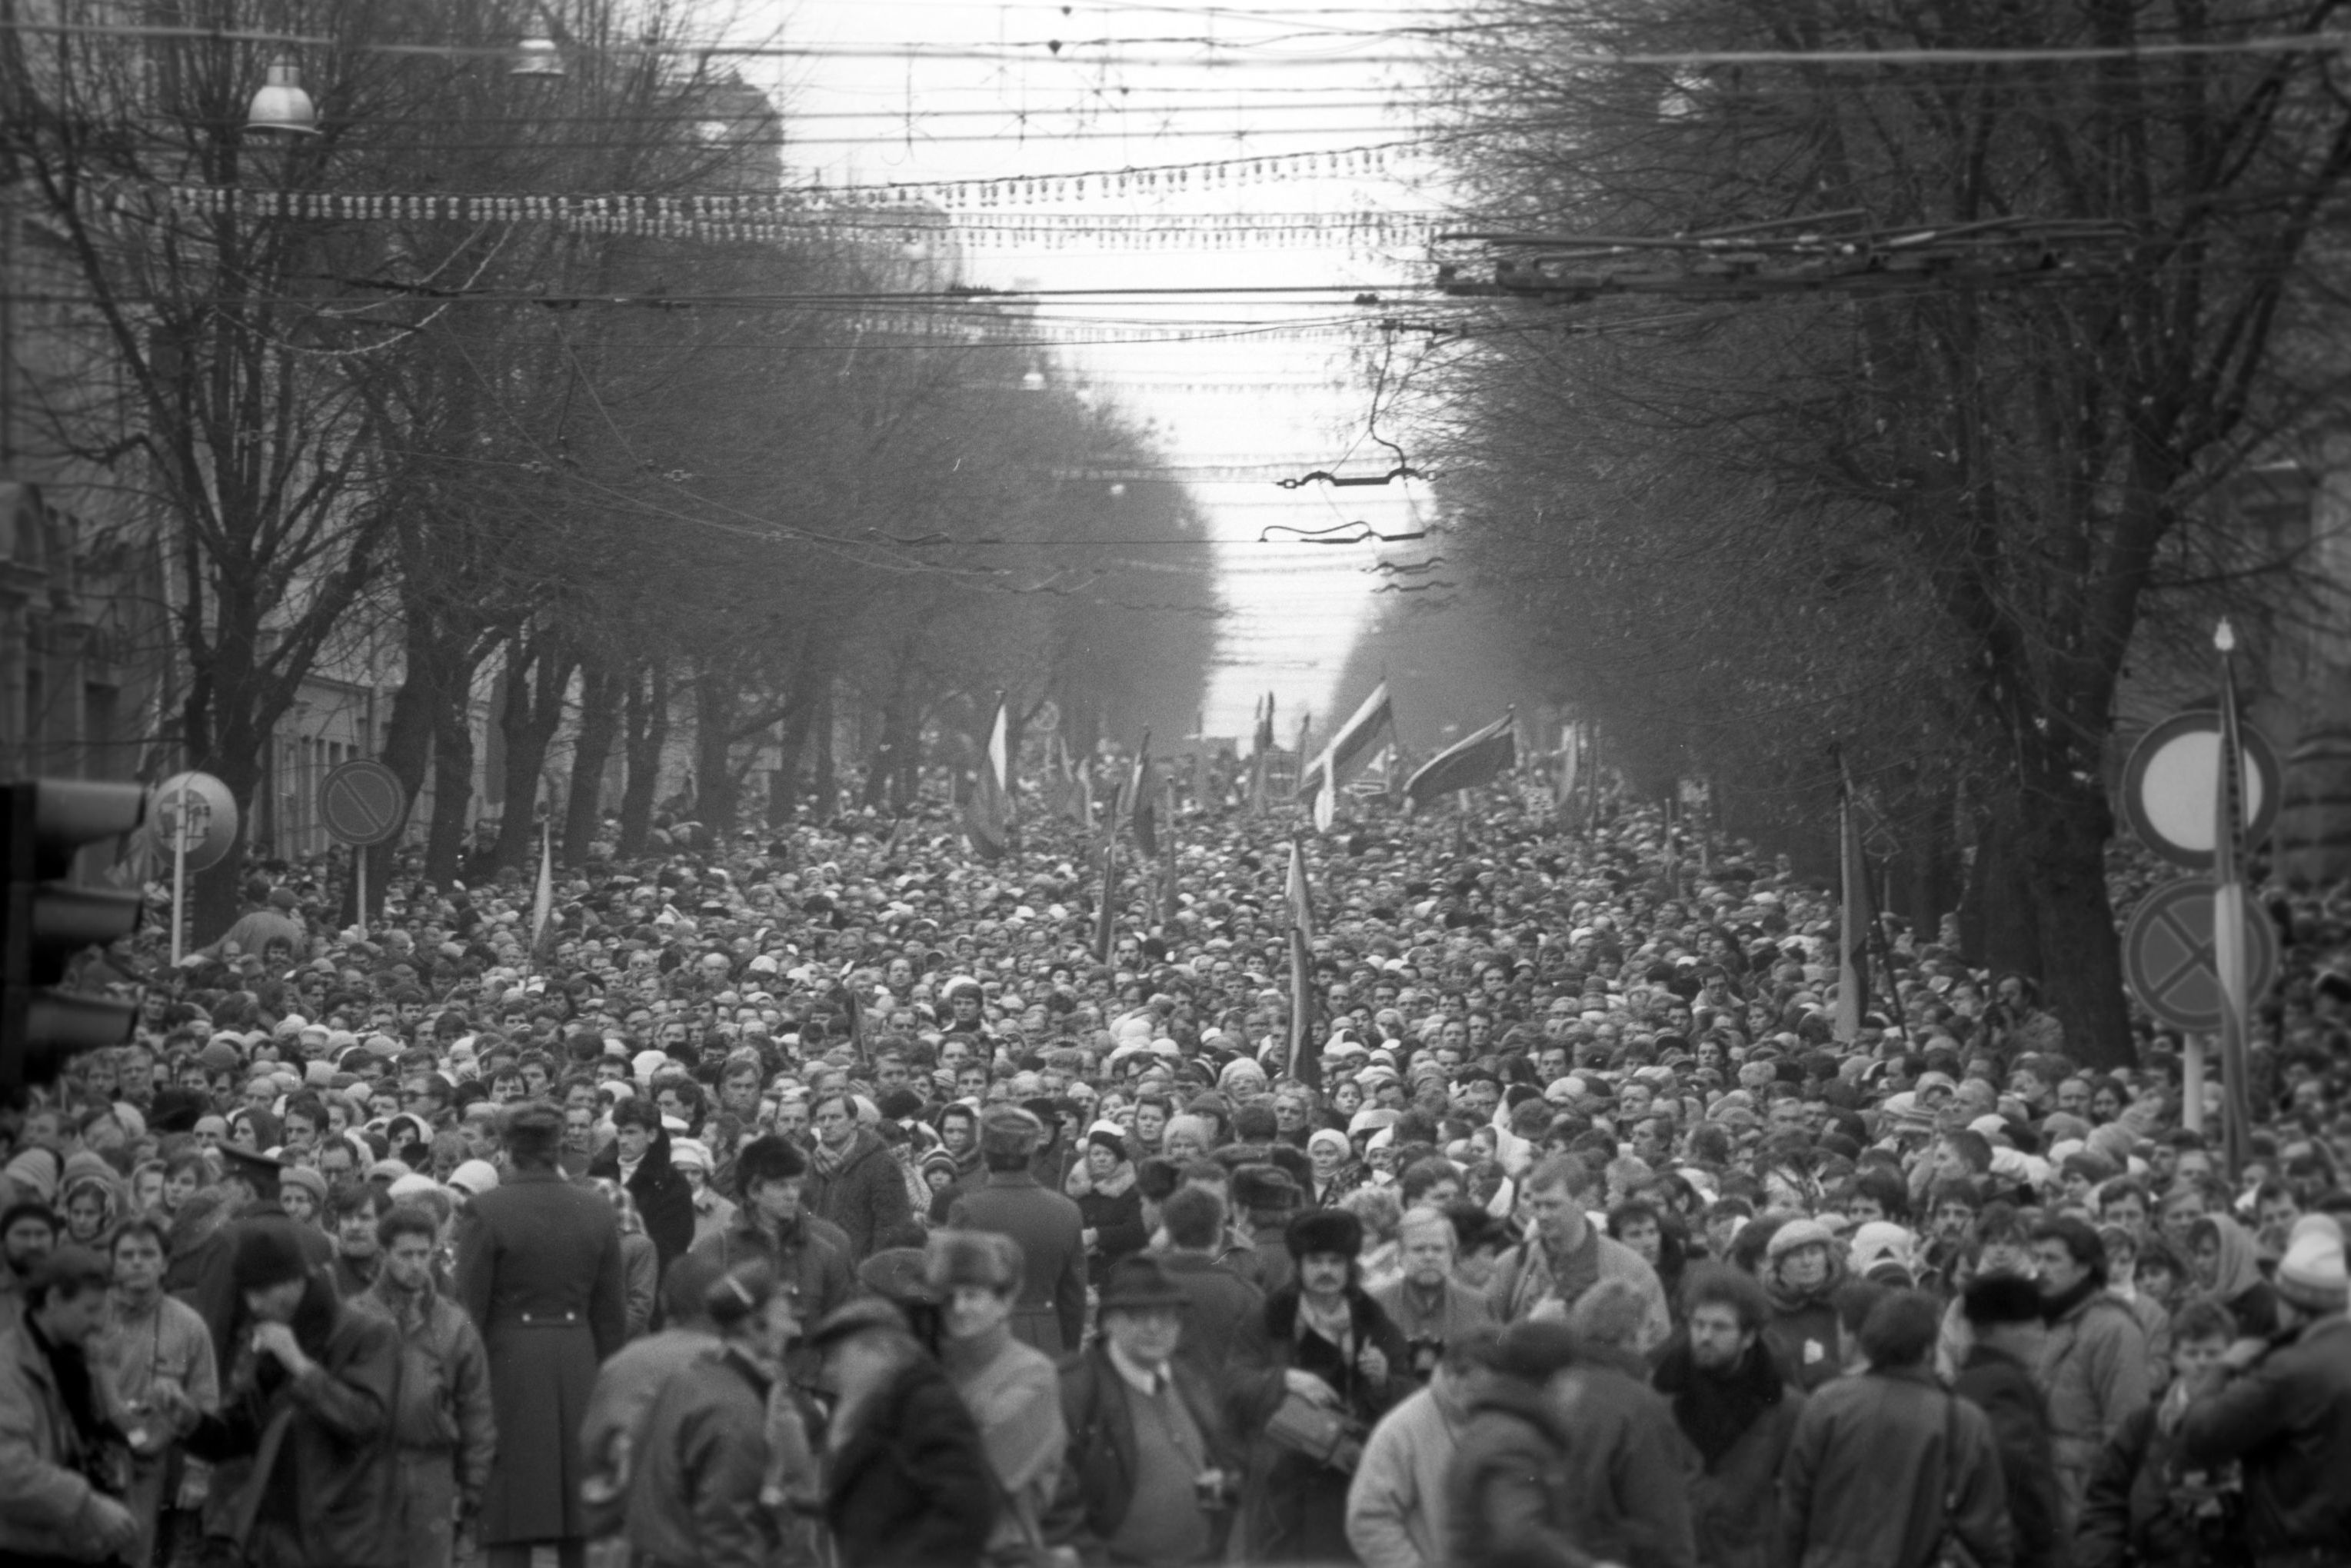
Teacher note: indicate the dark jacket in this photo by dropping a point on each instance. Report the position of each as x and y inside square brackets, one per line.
[1051, 1313]
[539, 1269]
[2004, 1389]
[45, 1465]
[1098, 1482]
[865, 1195]
[1735, 1494]
[445, 1383]
[2288, 1421]
[1224, 1316]
[1296, 1508]
[664, 1202]
[696, 1473]
[1628, 1468]
[215, 1296]
[1116, 1221]
[1506, 1493]
[2143, 1509]
[322, 1486]
[910, 1487]
[1870, 1467]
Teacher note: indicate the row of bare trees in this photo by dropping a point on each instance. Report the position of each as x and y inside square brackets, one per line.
[655, 491]
[1920, 525]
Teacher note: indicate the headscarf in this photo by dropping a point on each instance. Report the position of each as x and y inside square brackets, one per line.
[2239, 1267]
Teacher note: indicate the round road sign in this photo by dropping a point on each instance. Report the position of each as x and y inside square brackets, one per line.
[2167, 954]
[2168, 781]
[361, 803]
[200, 805]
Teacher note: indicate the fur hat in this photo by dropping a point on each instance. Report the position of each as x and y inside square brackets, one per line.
[268, 1252]
[1325, 1230]
[985, 1258]
[771, 1158]
[2001, 1299]
[1009, 1133]
[2311, 1275]
[1264, 1189]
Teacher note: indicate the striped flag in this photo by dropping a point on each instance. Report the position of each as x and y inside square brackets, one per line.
[1105, 920]
[1467, 764]
[2230, 958]
[989, 810]
[1852, 935]
[1143, 801]
[1305, 1065]
[1350, 747]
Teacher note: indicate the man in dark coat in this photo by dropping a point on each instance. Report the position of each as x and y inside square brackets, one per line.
[907, 1483]
[854, 1180]
[1506, 1503]
[249, 1182]
[638, 1158]
[2002, 1312]
[1224, 1320]
[1051, 1313]
[1736, 1410]
[771, 1225]
[308, 1413]
[538, 1267]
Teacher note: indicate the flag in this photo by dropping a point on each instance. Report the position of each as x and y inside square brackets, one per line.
[1305, 1064]
[542, 907]
[989, 810]
[1349, 745]
[1569, 745]
[1143, 803]
[1105, 922]
[1325, 802]
[1853, 954]
[2230, 958]
[1466, 764]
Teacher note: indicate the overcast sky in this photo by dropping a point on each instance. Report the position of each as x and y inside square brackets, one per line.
[1140, 85]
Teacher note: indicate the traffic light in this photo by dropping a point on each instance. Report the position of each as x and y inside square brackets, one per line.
[45, 920]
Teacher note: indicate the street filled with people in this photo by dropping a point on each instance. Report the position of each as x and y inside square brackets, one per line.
[837, 1196]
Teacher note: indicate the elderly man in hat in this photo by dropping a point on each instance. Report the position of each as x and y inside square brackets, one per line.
[1152, 1457]
[1052, 1313]
[2281, 1410]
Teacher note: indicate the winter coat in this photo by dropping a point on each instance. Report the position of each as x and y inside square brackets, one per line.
[2093, 1371]
[640, 1267]
[2287, 1420]
[626, 1387]
[694, 1486]
[2145, 1508]
[1051, 1311]
[1735, 1496]
[664, 1199]
[1459, 1309]
[444, 1385]
[1015, 1400]
[45, 1488]
[1224, 1316]
[1098, 1482]
[322, 1486]
[1628, 1468]
[1396, 1503]
[1505, 1500]
[539, 1269]
[1871, 1467]
[1525, 1277]
[1806, 1337]
[909, 1485]
[214, 1295]
[1116, 1220]
[2002, 1387]
[865, 1194]
[807, 1260]
[1295, 1508]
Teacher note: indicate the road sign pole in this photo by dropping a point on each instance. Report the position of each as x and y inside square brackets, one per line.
[2192, 1083]
[358, 875]
[180, 822]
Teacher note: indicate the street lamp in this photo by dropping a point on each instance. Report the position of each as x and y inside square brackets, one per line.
[537, 55]
[281, 105]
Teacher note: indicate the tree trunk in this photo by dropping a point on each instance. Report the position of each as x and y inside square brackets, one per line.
[646, 720]
[537, 674]
[453, 787]
[600, 729]
[824, 784]
[436, 678]
[716, 699]
[2061, 845]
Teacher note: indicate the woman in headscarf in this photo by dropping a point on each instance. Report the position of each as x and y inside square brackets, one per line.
[1109, 1203]
[91, 1201]
[1337, 1173]
[2229, 1275]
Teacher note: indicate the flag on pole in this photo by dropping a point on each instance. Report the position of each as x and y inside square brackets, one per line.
[1105, 921]
[1853, 935]
[1477, 759]
[1325, 802]
[2230, 958]
[1305, 1064]
[1143, 801]
[1349, 747]
[988, 811]
[1264, 757]
[542, 907]
[1570, 743]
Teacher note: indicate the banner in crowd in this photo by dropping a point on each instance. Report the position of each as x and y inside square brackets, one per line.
[1468, 764]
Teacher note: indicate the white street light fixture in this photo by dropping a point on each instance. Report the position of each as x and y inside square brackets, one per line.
[281, 105]
[538, 56]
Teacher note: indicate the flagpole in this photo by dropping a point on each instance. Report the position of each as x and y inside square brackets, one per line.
[2229, 915]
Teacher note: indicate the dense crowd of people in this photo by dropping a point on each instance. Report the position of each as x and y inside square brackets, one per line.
[844, 1198]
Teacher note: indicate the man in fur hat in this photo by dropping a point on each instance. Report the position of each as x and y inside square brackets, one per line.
[1051, 1311]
